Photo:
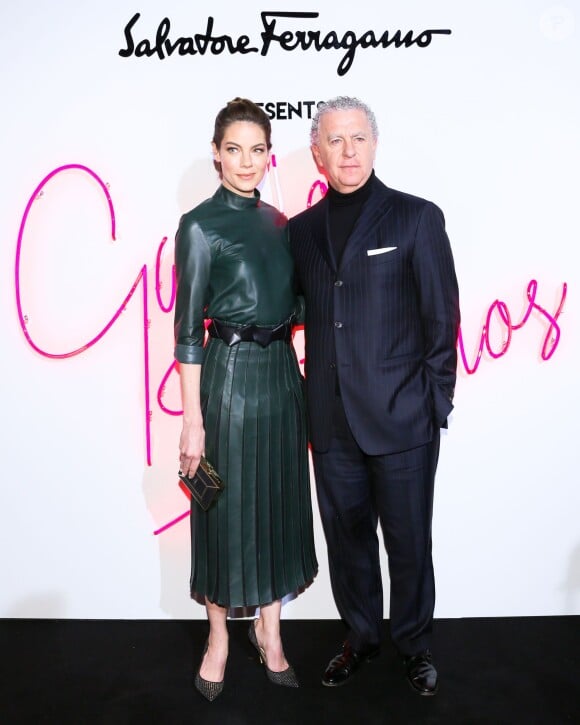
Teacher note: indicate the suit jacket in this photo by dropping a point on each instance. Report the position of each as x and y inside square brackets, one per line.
[383, 323]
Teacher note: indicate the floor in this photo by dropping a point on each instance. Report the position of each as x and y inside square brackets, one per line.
[508, 670]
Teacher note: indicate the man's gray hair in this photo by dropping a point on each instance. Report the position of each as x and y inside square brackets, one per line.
[341, 103]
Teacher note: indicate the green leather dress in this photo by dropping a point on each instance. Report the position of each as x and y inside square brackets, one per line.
[256, 544]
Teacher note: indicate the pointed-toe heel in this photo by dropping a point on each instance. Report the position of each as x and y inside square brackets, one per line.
[286, 678]
[210, 690]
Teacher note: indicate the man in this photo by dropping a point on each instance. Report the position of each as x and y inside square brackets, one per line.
[382, 317]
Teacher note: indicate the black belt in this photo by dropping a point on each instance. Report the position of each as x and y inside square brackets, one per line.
[250, 333]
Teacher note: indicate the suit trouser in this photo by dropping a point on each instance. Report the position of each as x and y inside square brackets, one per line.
[356, 491]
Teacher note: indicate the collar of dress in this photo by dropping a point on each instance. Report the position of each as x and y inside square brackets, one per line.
[236, 201]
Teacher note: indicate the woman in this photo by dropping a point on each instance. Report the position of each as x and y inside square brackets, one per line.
[242, 400]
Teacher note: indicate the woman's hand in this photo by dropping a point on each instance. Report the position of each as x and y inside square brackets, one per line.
[191, 447]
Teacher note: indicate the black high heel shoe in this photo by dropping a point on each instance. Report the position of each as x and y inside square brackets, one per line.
[210, 690]
[286, 678]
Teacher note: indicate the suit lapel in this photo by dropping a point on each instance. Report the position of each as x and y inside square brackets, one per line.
[320, 232]
[375, 209]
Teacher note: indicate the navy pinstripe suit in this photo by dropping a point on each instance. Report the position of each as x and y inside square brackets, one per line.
[380, 333]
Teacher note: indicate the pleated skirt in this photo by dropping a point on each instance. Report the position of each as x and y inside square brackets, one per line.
[255, 544]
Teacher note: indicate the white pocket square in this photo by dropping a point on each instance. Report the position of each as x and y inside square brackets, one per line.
[381, 250]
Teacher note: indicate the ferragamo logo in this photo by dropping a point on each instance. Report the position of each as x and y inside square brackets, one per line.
[279, 29]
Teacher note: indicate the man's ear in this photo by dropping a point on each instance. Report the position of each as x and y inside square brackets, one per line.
[216, 159]
[317, 158]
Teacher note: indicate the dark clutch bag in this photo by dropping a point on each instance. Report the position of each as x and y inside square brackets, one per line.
[205, 486]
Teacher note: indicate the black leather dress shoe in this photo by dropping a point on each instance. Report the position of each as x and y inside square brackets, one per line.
[342, 667]
[421, 673]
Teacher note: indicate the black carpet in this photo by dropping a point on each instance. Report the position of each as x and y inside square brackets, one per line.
[509, 670]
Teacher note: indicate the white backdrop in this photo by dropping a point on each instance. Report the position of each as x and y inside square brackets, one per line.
[483, 121]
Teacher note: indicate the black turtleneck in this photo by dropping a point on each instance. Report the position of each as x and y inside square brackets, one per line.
[343, 211]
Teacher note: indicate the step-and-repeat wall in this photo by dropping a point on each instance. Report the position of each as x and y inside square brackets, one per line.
[107, 116]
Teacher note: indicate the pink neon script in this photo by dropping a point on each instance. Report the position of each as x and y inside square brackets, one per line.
[497, 314]
[551, 338]
[141, 277]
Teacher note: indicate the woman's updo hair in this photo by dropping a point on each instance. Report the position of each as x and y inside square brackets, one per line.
[241, 109]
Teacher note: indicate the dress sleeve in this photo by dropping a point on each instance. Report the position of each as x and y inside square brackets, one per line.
[299, 305]
[192, 271]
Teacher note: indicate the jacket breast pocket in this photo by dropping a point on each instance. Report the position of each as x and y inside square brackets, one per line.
[385, 250]
[385, 263]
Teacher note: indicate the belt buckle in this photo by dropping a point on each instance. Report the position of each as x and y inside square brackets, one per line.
[262, 335]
